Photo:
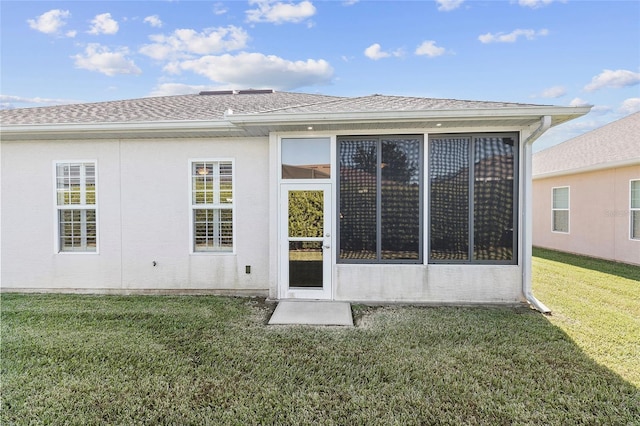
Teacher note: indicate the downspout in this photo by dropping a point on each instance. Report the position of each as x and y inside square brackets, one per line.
[527, 243]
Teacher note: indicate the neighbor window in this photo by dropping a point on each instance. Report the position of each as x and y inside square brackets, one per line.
[76, 206]
[634, 205]
[380, 208]
[212, 206]
[560, 210]
[473, 198]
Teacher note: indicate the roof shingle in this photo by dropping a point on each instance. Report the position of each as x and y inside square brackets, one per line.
[610, 144]
[213, 107]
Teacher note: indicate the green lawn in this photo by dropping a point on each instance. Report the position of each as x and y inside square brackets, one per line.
[597, 303]
[212, 360]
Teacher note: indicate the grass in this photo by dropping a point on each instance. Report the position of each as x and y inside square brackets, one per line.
[71, 359]
[597, 303]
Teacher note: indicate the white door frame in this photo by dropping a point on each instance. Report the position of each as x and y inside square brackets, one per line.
[284, 290]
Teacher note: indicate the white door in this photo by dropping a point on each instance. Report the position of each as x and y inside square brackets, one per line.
[305, 241]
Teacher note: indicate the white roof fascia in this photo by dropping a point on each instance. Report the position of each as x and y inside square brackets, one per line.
[117, 127]
[391, 116]
[590, 168]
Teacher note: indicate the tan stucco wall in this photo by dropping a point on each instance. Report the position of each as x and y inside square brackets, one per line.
[599, 214]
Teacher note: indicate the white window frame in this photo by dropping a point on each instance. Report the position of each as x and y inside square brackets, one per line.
[82, 206]
[193, 206]
[555, 209]
[633, 209]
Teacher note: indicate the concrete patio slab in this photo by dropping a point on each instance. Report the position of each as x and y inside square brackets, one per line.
[312, 312]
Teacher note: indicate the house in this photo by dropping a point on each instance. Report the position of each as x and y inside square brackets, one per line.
[286, 195]
[587, 193]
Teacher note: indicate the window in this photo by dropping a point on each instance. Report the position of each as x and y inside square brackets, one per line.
[212, 206]
[634, 207]
[308, 158]
[76, 207]
[473, 198]
[560, 210]
[380, 194]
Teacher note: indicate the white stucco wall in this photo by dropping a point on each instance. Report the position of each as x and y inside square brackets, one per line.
[429, 283]
[143, 216]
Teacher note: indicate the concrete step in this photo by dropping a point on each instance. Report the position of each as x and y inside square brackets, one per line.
[312, 312]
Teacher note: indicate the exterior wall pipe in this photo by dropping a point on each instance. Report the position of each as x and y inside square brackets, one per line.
[527, 244]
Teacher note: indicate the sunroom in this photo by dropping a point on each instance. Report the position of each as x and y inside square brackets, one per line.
[399, 211]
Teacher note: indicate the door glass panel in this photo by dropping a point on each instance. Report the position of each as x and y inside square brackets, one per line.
[305, 264]
[306, 214]
[306, 158]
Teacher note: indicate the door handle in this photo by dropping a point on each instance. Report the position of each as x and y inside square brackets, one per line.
[326, 246]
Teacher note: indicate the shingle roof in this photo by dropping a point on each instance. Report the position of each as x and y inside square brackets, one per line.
[615, 143]
[395, 103]
[164, 108]
[213, 107]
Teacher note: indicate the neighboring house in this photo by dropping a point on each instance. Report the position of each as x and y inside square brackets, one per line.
[587, 193]
[286, 195]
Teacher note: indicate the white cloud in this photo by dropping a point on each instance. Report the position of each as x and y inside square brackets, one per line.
[103, 24]
[219, 9]
[375, 52]
[552, 92]
[534, 4]
[71, 33]
[577, 102]
[50, 22]
[512, 36]
[448, 5]
[153, 20]
[629, 106]
[184, 43]
[350, 2]
[101, 59]
[616, 79]
[261, 71]
[9, 101]
[600, 109]
[430, 49]
[280, 12]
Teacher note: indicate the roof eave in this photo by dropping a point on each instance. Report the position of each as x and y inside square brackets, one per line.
[590, 168]
[559, 114]
[115, 128]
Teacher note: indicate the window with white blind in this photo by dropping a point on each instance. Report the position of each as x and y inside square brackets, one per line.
[560, 210]
[212, 205]
[634, 209]
[76, 206]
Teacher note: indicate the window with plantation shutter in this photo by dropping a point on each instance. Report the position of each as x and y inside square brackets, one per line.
[212, 205]
[76, 206]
